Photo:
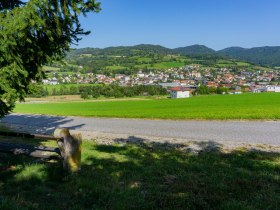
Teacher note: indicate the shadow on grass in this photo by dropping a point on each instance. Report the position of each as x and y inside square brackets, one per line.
[135, 174]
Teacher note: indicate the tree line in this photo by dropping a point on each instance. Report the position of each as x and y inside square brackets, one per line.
[96, 91]
[205, 90]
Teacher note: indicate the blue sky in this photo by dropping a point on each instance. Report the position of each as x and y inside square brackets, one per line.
[178, 23]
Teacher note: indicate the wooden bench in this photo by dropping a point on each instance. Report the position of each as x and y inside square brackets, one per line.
[27, 149]
[30, 150]
[69, 147]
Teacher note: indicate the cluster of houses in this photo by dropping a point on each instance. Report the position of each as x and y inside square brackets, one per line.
[268, 88]
[182, 80]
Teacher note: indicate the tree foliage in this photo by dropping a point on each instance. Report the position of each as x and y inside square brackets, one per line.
[98, 90]
[10, 4]
[32, 34]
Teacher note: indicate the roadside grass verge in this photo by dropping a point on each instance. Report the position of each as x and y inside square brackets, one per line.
[144, 176]
[213, 107]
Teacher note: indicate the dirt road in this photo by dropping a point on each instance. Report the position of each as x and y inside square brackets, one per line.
[264, 132]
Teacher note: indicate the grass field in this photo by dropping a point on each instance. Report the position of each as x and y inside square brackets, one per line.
[171, 64]
[142, 59]
[162, 65]
[243, 106]
[50, 68]
[143, 176]
[77, 98]
[240, 63]
[114, 68]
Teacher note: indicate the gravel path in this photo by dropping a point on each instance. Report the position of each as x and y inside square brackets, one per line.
[255, 132]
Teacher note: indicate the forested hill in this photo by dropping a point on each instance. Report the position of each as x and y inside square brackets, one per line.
[194, 50]
[124, 50]
[265, 56]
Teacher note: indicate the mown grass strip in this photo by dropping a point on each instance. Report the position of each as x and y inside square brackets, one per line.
[222, 107]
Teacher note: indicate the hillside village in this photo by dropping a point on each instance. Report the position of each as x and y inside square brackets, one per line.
[189, 67]
[189, 76]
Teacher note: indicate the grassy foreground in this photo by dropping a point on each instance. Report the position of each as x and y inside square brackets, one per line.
[143, 176]
[244, 106]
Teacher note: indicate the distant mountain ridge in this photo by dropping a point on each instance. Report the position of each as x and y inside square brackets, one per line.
[124, 50]
[265, 56]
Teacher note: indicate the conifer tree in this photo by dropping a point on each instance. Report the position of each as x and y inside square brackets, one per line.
[32, 34]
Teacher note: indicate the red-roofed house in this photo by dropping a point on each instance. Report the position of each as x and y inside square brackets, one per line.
[179, 92]
[212, 84]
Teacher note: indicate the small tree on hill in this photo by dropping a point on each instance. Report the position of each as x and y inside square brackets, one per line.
[32, 34]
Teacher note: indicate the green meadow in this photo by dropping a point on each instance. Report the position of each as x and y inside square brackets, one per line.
[116, 67]
[244, 106]
[164, 65]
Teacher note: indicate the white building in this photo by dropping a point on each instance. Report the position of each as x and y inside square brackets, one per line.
[169, 84]
[179, 92]
[126, 78]
[273, 88]
[140, 74]
[54, 81]
[196, 74]
[45, 81]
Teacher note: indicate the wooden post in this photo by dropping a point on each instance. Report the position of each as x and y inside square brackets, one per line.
[70, 148]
